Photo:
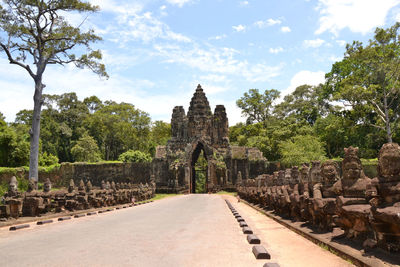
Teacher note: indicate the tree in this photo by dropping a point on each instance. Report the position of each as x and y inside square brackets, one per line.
[37, 35]
[257, 107]
[304, 104]
[134, 156]
[300, 149]
[118, 127]
[86, 150]
[367, 79]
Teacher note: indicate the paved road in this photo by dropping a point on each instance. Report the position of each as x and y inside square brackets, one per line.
[190, 230]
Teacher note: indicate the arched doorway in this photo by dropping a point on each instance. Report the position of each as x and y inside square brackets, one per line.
[199, 170]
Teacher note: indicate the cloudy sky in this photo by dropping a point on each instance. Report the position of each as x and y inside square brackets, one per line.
[157, 51]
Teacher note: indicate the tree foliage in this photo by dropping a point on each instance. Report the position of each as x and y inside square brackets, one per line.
[257, 107]
[134, 156]
[367, 80]
[301, 149]
[37, 35]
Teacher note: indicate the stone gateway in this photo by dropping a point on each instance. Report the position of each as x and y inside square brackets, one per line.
[202, 133]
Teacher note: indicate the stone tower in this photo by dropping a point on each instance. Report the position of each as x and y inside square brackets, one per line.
[199, 123]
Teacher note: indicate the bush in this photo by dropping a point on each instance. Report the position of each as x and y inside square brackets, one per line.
[300, 149]
[135, 156]
[47, 160]
[86, 150]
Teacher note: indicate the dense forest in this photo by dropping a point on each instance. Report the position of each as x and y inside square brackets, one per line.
[88, 130]
[357, 105]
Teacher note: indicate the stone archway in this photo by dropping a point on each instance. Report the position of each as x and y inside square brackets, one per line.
[198, 148]
[196, 173]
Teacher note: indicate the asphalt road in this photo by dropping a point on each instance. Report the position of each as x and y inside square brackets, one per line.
[189, 230]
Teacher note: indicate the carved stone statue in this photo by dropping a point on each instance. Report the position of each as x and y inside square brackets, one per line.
[325, 193]
[385, 198]
[352, 206]
[13, 199]
[33, 201]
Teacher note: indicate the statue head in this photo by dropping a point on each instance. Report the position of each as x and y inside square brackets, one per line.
[269, 181]
[47, 186]
[71, 186]
[239, 178]
[389, 161]
[89, 186]
[31, 184]
[275, 178]
[81, 186]
[315, 172]
[108, 185]
[13, 186]
[288, 175]
[351, 164]
[294, 178]
[113, 186]
[304, 173]
[118, 186]
[281, 177]
[329, 172]
[103, 185]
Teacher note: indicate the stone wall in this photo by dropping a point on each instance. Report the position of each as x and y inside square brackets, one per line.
[117, 172]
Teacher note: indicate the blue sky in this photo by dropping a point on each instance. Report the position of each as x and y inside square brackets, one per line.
[157, 51]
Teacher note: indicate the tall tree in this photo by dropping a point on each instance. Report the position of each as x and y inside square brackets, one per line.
[37, 35]
[257, 107]
[367, 79]
[304, 104]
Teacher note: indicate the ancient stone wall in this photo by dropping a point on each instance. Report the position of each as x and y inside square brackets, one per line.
[117, 172]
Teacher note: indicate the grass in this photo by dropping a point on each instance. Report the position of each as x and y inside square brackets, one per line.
[226, 193]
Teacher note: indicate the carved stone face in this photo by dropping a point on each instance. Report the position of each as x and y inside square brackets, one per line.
[281, 177]
[31, 185]
[47, 186]
[329, 172]
[315, 173]
[389, 160]
[294, 178]
[13, 186]
[304, 174]
[352, 170]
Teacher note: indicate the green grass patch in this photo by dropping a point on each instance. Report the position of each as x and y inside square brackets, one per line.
[227, 193]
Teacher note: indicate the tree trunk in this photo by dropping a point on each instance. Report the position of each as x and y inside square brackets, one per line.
[387, 121]
[35, 131]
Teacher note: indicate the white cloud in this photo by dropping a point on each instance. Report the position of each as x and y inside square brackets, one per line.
[335, 58]
[265, 23]
[341, 42]
[359, 16]
[303, 77]
[179, 3]
[243, 3]
[239, 28]
[313, 43]
[276, 50]
[285, 29]
[218, 37]
[216, 60]
[163, 7]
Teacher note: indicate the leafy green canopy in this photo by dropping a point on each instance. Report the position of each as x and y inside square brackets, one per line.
[38, 34]
[134, 156]
[367, 80]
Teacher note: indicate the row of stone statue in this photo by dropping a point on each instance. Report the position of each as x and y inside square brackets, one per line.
[34, 202]
[368, 210]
